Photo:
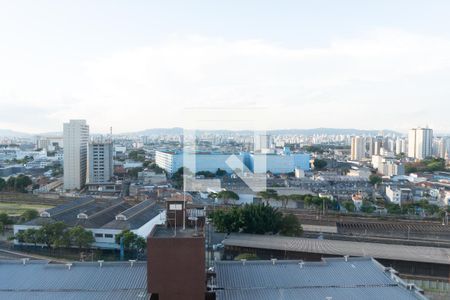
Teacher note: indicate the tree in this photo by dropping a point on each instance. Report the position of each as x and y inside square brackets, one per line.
[394, 209]
[267, 195]
[367, 207]
[256, 219]
[227, 220]
[2, 184]
[55, 235]
[319, 164]
[28, 215]
[205, 174]
[81, 237]
[261, 219]
[284, 199]
[131, 241]
[220, 172]
[291, 226]
[375, 179]
[349, 206]
[225, 196]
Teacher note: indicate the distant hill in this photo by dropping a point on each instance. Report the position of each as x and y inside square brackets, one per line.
[179, 131]
[312, 131]
[12, 133]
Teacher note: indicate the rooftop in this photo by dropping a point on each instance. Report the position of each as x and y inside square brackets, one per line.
[169, 232]
[354, 278]
[341, 248]
[43, 280]
[101, 213]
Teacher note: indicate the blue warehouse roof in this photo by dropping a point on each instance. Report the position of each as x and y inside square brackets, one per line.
[354, 278]
[43, 280]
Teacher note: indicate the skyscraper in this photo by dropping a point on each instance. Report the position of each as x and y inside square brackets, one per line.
[420, 143]
[100, 162]
[358, 150]
[76, 138]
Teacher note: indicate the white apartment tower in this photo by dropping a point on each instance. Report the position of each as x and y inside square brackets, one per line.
[76, 138]
[358, 149]
[262, 142]
[100, 162]
[420, 143]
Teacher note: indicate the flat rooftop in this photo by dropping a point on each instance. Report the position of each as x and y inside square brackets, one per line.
[169, 232]
[332, 278]
[42, 280]
[341, 248]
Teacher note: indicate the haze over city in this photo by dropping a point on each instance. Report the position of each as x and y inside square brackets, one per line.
[141, 64]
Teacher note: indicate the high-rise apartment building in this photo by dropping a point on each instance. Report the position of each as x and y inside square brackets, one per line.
[263, 142]
[76, 138]
[100, 162]
[358, 148]
[420, 143]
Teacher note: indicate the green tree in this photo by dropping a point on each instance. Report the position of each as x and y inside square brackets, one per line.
[220, 172]
[268, 195]
[2, 184]
[81, 237]
[261, 219]
[291, 226]
[131, 241]
[256, 219]
[28, 215]
[55, 235]
[319, 164]
[349, 206]
[206, 174]
[375, 179]
[226, 196]
[367, 207]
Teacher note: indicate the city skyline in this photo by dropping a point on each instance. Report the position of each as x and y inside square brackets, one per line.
[297, 66]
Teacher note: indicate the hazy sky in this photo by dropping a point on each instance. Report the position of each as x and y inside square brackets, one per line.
[224, 64]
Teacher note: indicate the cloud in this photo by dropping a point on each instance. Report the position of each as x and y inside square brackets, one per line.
[340, 84]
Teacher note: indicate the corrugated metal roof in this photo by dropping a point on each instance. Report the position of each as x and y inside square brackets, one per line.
[357, 278]
[336, 247]
[369, 293]
[39, 279]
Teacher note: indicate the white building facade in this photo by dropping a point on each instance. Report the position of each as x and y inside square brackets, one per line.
[76, 138]
[420, 143]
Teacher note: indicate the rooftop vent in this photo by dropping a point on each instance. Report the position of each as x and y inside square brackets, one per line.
[100, 262]
[69, 265]
[273, 260]
[132, 261]
[25, 260]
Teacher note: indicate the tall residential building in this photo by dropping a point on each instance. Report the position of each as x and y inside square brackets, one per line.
[76, 138]
[400, 146]
[358, 148]
[100, 162]
[420, 143]
[263, 142]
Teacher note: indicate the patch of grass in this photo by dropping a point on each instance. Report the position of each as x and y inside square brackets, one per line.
[16, 209]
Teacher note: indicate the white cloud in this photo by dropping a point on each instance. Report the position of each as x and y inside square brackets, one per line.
[342, 84]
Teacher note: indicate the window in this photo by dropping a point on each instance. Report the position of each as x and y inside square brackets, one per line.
[99, 235]
[108, 236]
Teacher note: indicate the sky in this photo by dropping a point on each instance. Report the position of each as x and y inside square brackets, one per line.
[229, 64]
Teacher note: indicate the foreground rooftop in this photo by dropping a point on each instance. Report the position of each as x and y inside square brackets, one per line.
[332, 278]
[43, 280]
